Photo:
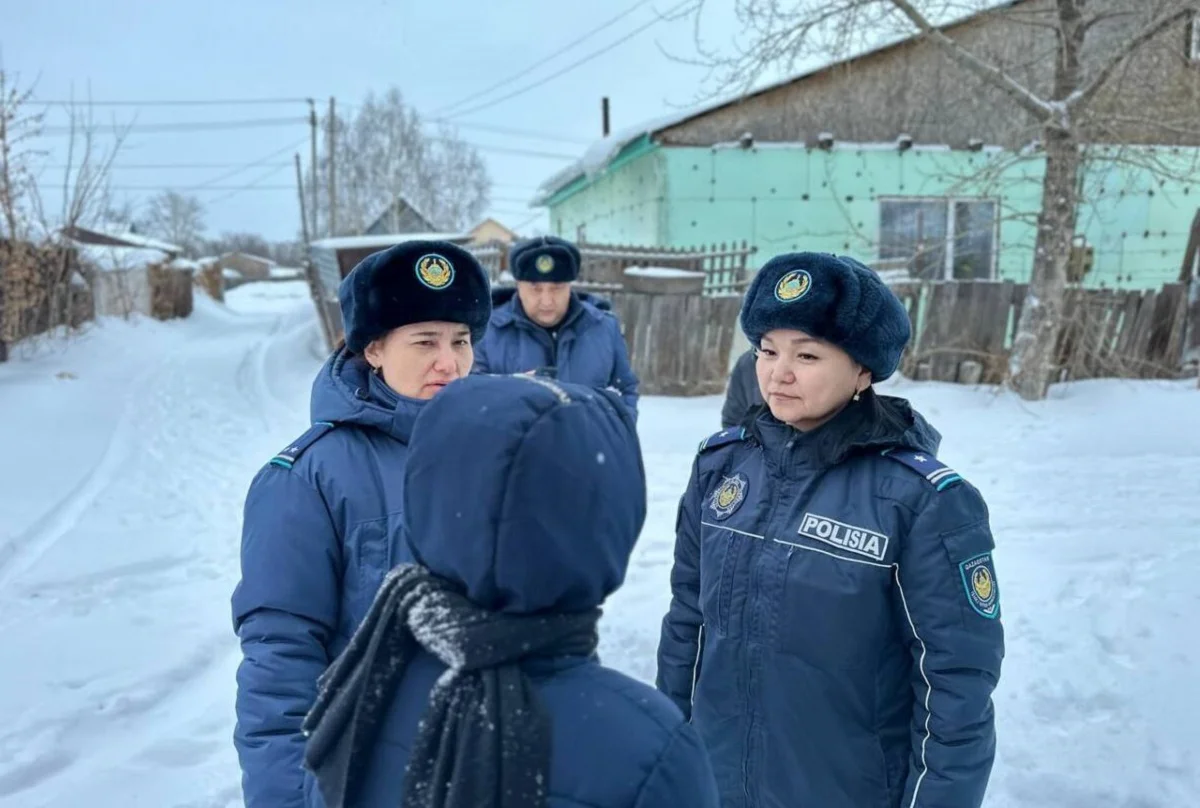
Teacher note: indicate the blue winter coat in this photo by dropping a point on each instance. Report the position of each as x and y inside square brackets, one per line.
[319, 533]
[837, 610]
[616, 743]
[586, 348]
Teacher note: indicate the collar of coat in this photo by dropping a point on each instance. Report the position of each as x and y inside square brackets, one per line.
[584, 307]
[870, 425]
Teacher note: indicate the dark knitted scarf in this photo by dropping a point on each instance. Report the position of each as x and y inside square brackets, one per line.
[485, 738]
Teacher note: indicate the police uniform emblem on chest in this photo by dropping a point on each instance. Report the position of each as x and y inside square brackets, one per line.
[729, 495]
[859, 540]
[979, 580]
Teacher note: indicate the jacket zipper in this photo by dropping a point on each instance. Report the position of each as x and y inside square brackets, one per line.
[696, 670]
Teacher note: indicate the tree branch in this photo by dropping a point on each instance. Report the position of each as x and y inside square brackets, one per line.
[1085, 93]
[993, 75]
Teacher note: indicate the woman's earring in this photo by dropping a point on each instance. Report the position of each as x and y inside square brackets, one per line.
[857, 395]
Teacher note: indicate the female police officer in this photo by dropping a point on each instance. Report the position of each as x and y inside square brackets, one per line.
[834, 633]
[321, 519]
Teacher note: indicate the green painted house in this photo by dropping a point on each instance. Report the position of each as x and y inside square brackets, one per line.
[945, 183]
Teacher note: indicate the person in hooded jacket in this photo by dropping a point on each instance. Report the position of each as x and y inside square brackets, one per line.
[544, 327]
[834, 632]
[321, 518]
[474, 682]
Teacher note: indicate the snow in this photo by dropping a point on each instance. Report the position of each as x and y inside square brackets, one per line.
[384, 241]
[286, 273]
[663, 272]
[126, 457]
[119, 259]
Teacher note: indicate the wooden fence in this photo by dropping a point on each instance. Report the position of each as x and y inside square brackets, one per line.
[29, 302]
[678, 344]
[963, 331]
[170, 292]
[725, 264]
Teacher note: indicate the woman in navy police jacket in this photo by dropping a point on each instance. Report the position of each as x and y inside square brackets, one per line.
[834, 633]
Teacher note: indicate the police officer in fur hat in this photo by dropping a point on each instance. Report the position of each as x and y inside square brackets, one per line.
[835, 630]
[546, 328]
[322, 518]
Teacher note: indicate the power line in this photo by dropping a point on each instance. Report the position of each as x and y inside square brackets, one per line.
[190, 126]
[160, 166]
[204, 102]
[504, 130]
[257, 185]
[256, 163]
[594, 54]
[509, 150]
[546, 59]
[251, 186]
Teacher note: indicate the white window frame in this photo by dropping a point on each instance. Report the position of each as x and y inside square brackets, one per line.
[1194, 39]
[949, 201]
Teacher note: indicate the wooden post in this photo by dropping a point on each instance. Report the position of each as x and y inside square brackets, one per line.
[332, 150]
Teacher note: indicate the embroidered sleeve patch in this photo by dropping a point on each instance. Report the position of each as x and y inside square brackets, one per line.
[979, 580]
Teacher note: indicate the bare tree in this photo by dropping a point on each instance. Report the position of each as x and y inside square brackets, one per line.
[249, 243]
[1083, 100]
[384, 151]
[176, 218]
[38, 268]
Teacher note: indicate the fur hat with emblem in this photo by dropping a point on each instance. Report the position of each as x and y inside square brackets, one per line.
[830, 297]
[414, 282]
[545, 259]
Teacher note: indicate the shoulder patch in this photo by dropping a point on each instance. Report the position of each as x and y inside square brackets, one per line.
[288, 456]
[723, 438]
[979, 581]
[937, 473]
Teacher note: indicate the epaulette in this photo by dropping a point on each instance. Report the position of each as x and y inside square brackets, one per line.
[937, 473]
[723, 438]
[288, 456]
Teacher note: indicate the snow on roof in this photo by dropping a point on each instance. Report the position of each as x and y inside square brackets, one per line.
[185, 263]
[384, 241]
[602, 151]
[119, 259]
[663, 272]
[139, 240]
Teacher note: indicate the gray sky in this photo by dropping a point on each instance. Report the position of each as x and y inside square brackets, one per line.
[437, 51]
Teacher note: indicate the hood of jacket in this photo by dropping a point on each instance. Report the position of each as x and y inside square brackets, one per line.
[529, 494]
[347, 392]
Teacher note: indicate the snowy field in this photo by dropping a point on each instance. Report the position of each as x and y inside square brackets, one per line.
[124, 459]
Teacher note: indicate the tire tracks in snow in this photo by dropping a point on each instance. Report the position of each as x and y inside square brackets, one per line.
[191, 405]
[23, 551]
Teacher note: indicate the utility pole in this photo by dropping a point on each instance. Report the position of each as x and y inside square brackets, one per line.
[332, 149]
[312, 123]
[310, 271]
[303, 212]
[604, 116]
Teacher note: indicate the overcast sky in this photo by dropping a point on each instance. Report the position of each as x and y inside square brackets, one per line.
[438, 52]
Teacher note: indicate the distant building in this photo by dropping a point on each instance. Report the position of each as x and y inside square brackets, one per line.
[402, 216]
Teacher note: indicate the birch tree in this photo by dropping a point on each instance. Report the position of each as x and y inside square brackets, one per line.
[384, 150]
